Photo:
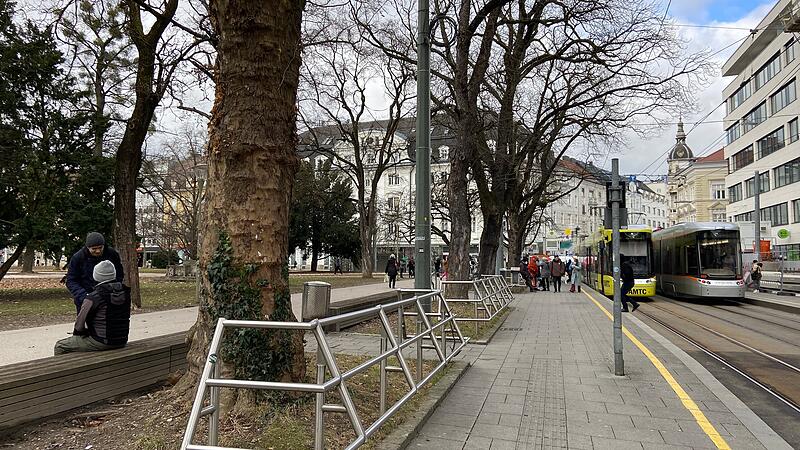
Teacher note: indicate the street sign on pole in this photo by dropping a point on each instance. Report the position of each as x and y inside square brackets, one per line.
[616, 200]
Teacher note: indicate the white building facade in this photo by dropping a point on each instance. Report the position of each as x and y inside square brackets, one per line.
[762, 130]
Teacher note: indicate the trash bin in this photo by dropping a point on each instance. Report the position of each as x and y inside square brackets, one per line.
[316, 300]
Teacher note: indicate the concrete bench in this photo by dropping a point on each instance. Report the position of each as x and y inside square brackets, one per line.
[44, 387]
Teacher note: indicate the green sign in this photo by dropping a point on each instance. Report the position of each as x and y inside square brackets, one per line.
[783, 233]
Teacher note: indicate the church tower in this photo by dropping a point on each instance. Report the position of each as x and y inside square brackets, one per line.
[680, 157]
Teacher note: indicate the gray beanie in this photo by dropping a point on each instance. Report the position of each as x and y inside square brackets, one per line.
[104, 271]
[94, 239]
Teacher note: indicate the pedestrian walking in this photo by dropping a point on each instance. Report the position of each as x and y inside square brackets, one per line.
[391, 270]
[337, 266]
[525, 274]
[628, 280]
[576, 277]
[755, 275]
[403, 264]
[411, 267]
[544, 272]
[437, 267]
[569, 269]
[557, 270]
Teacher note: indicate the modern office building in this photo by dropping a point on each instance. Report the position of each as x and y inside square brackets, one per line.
[761, 124]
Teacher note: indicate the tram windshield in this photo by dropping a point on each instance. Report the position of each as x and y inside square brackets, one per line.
[637, 249]
[719, 254]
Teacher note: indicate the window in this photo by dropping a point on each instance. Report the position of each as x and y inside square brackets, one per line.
[750, 189]
[796, 210]
[742, 159]
[734, 132]
[767, 71]
[745, 217]
[370, 156]
[393, 229]
[394, 179]
[793, 131]
[776, 214]
[738, 97]
[735, 192]
[788, 52]
[783, 97]
[717, 215]
[718, 190]
[787, 173]
[393, 203]
[755, 117]
[771, 143]
[443, 152]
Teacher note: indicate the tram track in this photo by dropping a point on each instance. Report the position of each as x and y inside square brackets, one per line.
[747, 355]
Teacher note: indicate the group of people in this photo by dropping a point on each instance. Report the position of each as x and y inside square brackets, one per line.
[540, 274]
[395, 267]
[102, 302]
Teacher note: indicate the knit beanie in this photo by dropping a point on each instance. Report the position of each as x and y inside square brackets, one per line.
[94, 239]
[104, 271]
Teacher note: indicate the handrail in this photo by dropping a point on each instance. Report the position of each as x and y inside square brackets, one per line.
[392, 345]
[491, 295]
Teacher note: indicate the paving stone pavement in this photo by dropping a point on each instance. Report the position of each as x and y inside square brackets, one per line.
[546, 381]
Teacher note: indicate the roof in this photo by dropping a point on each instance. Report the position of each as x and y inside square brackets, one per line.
[680, 150]
[717, 156]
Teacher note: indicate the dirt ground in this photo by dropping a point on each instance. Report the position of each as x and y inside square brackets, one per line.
[157, 419]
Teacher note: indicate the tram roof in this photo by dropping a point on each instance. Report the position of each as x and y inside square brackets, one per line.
[685, 228]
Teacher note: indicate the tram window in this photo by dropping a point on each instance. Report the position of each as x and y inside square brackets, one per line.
[668, 265]
[692, 267]
[718, 252]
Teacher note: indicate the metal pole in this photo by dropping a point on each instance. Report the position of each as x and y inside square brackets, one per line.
[384, 381]
[616, 199]
[422, 229]
[757, 217]
[319, 426]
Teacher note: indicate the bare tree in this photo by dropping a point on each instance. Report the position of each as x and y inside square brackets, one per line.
[361, 139]
[175, 182]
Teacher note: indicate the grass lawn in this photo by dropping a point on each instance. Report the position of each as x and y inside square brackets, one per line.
[36, 302]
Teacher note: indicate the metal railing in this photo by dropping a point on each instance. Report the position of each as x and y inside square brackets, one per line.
[491, 294]
[440, 320]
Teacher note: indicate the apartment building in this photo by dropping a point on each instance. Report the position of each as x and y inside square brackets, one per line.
[761, 124]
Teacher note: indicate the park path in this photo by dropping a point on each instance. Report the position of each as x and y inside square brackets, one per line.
[28, 344]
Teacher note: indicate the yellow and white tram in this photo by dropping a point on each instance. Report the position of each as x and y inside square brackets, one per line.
[635, 247]
[700, 259]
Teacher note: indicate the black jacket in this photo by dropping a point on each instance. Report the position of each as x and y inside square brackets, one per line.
[105, 314]
[79, 271]
[626, 273]
[523, 271]
[391, 267]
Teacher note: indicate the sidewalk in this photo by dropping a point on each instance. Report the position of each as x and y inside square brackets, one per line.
[789, 303]
[34, 343]
[547, 380]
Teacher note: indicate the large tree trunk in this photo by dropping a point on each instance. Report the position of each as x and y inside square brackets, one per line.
[490, 243]
[460, 214]
[27, 260]
[516, 238]
[366, 232]
[11, 260]
[251, 169]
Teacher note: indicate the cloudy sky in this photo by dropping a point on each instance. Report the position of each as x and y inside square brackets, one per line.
[649, 156]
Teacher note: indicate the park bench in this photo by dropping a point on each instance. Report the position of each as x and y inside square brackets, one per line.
[36, 389]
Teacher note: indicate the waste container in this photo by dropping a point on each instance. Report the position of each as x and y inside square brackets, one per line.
[316, 300]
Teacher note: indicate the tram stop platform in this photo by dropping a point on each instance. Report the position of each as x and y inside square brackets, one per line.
[546, 380]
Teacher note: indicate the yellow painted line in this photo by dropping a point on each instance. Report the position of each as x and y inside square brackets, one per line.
[687, 401]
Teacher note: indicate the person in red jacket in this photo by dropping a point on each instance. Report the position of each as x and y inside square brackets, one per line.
[533, 269]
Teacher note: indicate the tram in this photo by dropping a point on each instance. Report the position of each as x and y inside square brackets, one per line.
[635, 247]
[699, 259]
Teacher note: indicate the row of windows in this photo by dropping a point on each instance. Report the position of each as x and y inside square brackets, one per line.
[776, 214]
[762, 76]
[783, 175]
[765, 146]
[786, 95]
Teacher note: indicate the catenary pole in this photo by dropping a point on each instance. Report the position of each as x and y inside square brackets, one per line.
[422, 228]
[616, 199]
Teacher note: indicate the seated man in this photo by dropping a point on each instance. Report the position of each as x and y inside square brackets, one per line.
[79, 274]
[104, 318]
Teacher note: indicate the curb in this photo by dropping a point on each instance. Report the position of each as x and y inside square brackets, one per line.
[771, 305]
[402, 436]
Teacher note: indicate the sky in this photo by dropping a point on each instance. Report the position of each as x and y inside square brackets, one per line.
[648, 156]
